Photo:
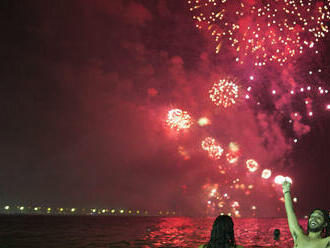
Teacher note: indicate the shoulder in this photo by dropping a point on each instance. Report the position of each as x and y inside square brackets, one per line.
[327, 242]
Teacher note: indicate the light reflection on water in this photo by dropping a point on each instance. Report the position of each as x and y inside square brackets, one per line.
[107, 231]
[191, 232]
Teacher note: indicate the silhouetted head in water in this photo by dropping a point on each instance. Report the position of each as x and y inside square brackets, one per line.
[277, 234]
[222, 234]
[318, 221]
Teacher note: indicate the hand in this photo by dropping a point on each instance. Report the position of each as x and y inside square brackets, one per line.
[286, 186]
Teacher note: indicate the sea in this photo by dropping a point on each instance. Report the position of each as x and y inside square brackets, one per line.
[128, 231]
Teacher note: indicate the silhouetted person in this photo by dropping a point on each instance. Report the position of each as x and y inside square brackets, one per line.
[277, 234]
[222, 234]
[318, 225]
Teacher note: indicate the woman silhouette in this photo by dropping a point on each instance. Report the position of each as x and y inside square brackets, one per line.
[222, 234]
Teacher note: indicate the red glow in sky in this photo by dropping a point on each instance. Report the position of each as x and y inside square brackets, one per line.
[263, 31]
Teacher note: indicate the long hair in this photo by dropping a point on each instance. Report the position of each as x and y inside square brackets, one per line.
[222, 234]
[326, 230]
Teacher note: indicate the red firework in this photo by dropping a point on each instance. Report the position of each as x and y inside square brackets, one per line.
[232, 157]
[263, 31]
[280, 179]
[178, 119]
[212, 147]
[252, 165]
[266, 173]
[224, 93]
[207, 143]
[215, 152]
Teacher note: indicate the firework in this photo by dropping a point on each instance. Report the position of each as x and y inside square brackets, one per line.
[279, 179]
[212, 147]
[263, 31]
[224, 93]
[215, 152]
[207, 143]
[235, 204]
[203, 121]
[234, 147]
[232, 157]
[233, 154]
[266, 173]
[252, 165]
[178, 119]
[182, 151]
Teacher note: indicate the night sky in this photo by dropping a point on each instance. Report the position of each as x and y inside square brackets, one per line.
[85, 91]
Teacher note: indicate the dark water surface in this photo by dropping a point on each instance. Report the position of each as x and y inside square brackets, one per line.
[111, 231]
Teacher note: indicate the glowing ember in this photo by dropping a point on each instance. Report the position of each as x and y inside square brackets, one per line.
[252, 165]
[266, 173]
[152, 92]
[203, 121]
[233, 154]
[183, 153]
[233, 147]
[178, 119]
[235, 204]
[232, 157]
[224, 93]
[237, 214]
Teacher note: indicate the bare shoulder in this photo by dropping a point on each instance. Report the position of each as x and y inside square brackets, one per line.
[327, 242]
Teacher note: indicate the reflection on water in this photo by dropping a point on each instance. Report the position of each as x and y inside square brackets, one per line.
[106, 231]
[191, 232]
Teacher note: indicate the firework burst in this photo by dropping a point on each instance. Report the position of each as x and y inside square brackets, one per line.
[266, 173]
[263, 31]
[207, 143]
[252, 165]
[212, 147]
[179, 119]
[224, 93]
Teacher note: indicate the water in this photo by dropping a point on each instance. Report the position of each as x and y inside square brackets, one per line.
[111, 231]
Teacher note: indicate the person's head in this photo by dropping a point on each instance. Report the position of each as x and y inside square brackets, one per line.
[222, 234]
[277, 234]
[318, 221]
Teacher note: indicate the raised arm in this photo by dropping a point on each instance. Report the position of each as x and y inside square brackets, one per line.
[294, 227]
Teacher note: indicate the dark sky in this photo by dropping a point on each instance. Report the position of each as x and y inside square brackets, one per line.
[85, 90]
